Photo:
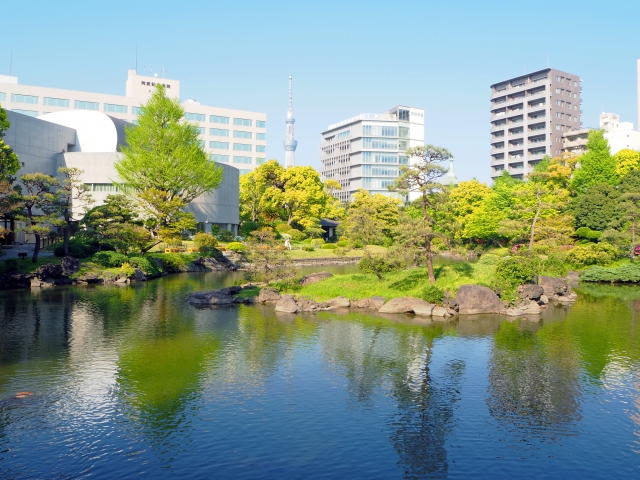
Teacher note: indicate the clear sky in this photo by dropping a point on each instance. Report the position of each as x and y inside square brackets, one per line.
[346, 57]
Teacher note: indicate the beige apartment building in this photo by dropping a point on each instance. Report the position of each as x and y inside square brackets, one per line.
[234, 137]
[529, 116]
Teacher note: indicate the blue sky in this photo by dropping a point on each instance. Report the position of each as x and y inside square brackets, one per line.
[347, 57]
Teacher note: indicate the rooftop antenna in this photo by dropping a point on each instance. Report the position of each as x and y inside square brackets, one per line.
[290, 101]
[148, 69]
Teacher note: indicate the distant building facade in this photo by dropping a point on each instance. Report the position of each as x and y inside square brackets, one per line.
[367, 151]
[620, 135]
[91, 141]
[234, 137]
[529, 115]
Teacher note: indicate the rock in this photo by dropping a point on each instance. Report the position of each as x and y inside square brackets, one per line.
[15, 280]
[362, 303]
[37, 283]
[307, 305]
[70, 265]
[554, 286]
[450, 303]
[48, 271]
[268, 295]
[440, 312]
[473, 299]
[376, 302]
[339, 302]
[314, 278]
[530, 292]
[407, 305]
[138, 276]
[121, 279]
[543, 299]
[567, 299]
[452, 312]
[573, 278]
[530, 308]
[214, 297]
[287, 304]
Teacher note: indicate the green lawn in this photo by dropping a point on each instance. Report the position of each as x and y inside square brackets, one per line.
[27, 266]
[321, 253]
[407, 283]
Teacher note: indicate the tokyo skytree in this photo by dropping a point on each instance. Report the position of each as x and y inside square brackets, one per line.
[290, 144]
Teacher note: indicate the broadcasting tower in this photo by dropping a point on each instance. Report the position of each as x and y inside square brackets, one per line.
[290, 144]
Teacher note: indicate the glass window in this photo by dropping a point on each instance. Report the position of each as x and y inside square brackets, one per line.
[376, 182]
[382, 143]
[260, 161]
[15, 98]
[31, 113]
[110, 107]
[404, 132]
[403, 144]
[403, 115]
[344, 134]
[201, 130]
[215, 157]
[382, 170]
[261, 124]
[242, 160]
[241, 134]
[194, 117]
[81, 105]
[244, 171]
[380, 130]
[218, 132]
[136, 110]
[379, 157]
[243, 122]
[3, 96]
[244, 147]
[575, 95]
[261, 136]
[55, 102]
[217, 119]
[220, 145]
[403, 160]
[261, 148]
[102, 187]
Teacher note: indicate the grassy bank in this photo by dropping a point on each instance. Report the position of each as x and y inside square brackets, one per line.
[407, 283]
[325, 253]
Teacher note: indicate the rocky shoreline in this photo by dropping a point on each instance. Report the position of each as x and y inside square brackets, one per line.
[67, 273]
[469, 300]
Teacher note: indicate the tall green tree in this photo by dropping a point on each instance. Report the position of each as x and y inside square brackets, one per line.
[364, 227]
[164, 166]
[597, 165]
[421, 177]
[38, 201]
[384, 209]
[9, 166]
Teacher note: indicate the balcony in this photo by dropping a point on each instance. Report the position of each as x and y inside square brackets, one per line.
[539, 104]
[514, 121]
[539, 93]
[495, 148]
[536, 116]
[498, 128]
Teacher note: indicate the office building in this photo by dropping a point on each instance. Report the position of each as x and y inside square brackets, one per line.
[620, 135]
[91, 141]
[234, 137]
[529, 115]
[366, 151]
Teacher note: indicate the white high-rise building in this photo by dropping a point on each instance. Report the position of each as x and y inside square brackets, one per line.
[367, 151]
[620, 135]
[290, 143]
[234, 137]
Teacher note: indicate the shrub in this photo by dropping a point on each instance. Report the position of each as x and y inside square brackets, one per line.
[383, 264]
[308, 248]
[109, 259]
[296, 235]
[582, 232]
[283, 227]
[9, 265]
[127, 269]
[146, 264]
[432, 294]
[501, 252]
[226, 236]
[202, 239]
[555, 265]
[317, 242]
[211, 252]
[306, 240]
[236, 247]
[173, 242]
[340, 251]
[329, 246]
[489, 259]
[541, 248]
[247, 227]
[592, 254]
[77, 249]
[343, 243]
[514, 271]
[625, 273]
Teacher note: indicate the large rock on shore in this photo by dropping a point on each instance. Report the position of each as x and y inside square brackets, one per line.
[554, 286]
[48, 271]
[408, 305]
[474, 299]
[530, 292]
[528, 308]
[374, 303]
[339, 302]
[314, 278]
[268, 295]
[287, 304]
[213, 297]
[70, 265]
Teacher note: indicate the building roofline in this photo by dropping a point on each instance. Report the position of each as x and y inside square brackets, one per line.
[520, 76]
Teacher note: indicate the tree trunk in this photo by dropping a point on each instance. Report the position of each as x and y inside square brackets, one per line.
[373, 265]
[149, 247]
[36, 248]
[533, 227]
[65, 242]
[427, 249]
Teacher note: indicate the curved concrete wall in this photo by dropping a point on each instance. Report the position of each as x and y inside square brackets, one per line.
[95, 131]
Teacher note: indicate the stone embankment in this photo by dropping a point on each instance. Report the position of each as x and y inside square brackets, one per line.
[469, 300]
[67, 273]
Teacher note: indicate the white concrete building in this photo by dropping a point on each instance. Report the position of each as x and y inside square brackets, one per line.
[235, 137]
[367, 151]
[620, 135]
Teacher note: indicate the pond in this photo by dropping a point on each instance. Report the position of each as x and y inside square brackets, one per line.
[130, 381]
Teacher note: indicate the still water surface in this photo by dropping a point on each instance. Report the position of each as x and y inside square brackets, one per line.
[132, 381]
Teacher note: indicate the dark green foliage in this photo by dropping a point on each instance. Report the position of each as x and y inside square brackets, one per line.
[596, 209]
[342, 243]
[226, 236]
[514, 271]
[555, 265]
[77, 249]
[308, 248]
[8, 266]
[329, 246]
[597, 165]
[211, 252]
[433, 294]
[625, 273]
[247, 227]
[587, 233]
[109, 259]
[382, 264]
[148, 266]
[202, 239]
